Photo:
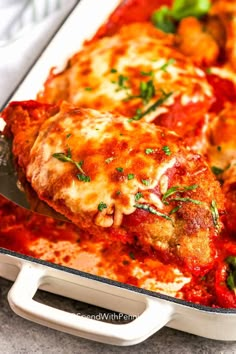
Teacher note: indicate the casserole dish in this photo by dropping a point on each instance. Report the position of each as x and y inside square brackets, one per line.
[150, 309]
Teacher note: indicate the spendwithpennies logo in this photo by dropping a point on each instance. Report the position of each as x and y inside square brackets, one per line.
[104, 316]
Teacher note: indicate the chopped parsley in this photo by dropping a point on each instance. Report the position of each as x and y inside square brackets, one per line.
[83, 178]
[68, 135]
[152, 210]
[121, 82]
[138, 195]
[194, 201]
[119, 169]
[147, 73]
[219, 148]
[165, 66]
[113, 70]
[215, 213]
[147, 91]
[140, 114]
[146, 182]
[61, 156]
[217, 170]
[166, 150]
[177, 189]
[102, 206]
[130, 176]
[149, 151]
[174, 210]
[231, 278]
[88, 89]
[191, 187]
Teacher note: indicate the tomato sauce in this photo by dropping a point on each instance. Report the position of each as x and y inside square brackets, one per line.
[20, 228]
[127, 12]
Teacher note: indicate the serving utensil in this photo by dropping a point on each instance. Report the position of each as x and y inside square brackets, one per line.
[15, 188]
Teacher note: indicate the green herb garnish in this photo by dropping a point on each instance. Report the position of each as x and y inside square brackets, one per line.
[83, 178]
[231, 279]
[194, 201]
[231, 260]
[147, 91]
[166, 150]
[174, 210]
[61, 156]
[151, 210]
[165, 66]
[88, 88]
[140, 114]
[147, 73]
[119, 169]
[130, 176]
[217, 170]
[146, 182]
[149, 151]
[165, 18]
[121, 82]
[215, 213]
[175, 189]
[102, 206]
[138, 195]
[186, 8]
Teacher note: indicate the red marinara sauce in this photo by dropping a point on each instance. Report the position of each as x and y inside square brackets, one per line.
[127, 12]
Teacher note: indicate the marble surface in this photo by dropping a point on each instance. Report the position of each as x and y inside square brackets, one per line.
[20, 336]
[29, 45]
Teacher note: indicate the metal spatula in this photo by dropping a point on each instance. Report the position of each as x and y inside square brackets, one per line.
[19, 193]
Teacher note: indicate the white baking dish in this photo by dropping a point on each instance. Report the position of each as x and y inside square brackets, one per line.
[151, 310]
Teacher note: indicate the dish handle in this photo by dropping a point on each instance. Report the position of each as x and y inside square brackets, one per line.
[155, 313]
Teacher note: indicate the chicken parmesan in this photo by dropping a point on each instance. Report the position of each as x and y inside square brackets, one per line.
[117, 177]
[134, 142]
[142, 77]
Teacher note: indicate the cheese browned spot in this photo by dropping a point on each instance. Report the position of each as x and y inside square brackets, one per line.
[81, 161]
[128, 74]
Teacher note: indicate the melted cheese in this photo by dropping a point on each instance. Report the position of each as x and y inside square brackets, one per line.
[113, 68]
[103, 142]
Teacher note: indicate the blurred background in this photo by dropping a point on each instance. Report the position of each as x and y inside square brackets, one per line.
[26, 27]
